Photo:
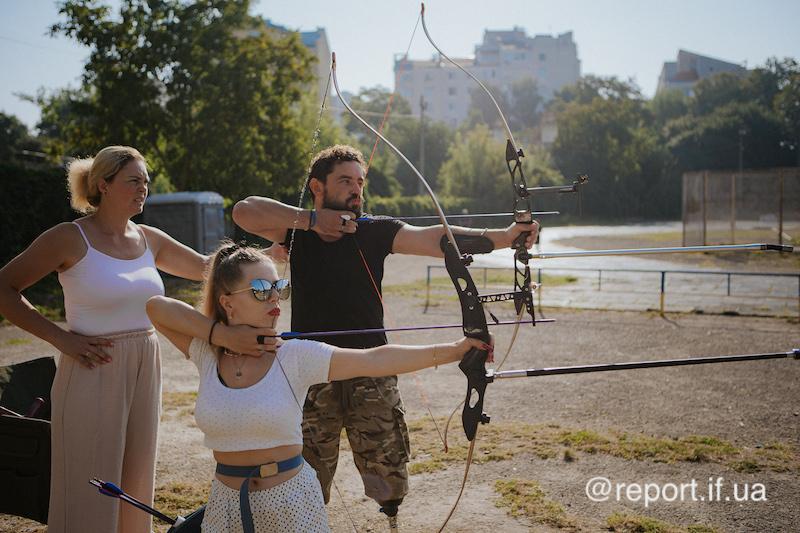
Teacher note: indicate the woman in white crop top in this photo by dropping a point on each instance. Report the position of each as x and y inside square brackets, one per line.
[106, 394]
[250, 409]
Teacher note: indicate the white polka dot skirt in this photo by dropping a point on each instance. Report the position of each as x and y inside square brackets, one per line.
[295, 505]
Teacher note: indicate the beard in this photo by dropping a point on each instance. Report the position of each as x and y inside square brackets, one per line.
[347, 205]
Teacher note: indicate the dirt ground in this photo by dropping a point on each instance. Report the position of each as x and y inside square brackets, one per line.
[754, 407]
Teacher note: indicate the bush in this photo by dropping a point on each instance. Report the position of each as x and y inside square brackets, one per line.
[33, 200]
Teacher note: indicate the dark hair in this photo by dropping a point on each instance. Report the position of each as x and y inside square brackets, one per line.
[224, 272]
[325, 161]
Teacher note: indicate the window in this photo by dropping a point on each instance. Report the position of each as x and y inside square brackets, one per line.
[451, 91]
[542, 57]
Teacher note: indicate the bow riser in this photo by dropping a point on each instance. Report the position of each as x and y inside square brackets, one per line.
[473, 365]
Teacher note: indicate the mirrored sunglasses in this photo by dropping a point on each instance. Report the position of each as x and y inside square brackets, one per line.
[263, 287]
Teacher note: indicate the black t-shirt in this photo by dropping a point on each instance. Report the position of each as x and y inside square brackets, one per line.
[331, 288]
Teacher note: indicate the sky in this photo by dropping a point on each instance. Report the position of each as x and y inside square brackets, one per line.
[623, 38]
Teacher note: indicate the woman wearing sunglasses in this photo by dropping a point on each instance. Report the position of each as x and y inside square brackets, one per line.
[250, 409]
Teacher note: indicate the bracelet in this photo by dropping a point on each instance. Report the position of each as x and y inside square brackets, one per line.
[211, 331]
[312, 218]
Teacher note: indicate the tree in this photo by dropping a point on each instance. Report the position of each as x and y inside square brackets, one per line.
[526, 103]
[754, 114]
[605, 130]
[668, 105]
[712, 141]
[482, 110]
[787, 107]
[388, 176]
[474, 168]
[15, 140]
[204, 90]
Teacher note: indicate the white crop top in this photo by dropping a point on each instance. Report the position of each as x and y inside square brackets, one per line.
[104, 295]
[263, 415]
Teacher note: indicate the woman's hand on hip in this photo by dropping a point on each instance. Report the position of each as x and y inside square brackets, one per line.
[87, 351]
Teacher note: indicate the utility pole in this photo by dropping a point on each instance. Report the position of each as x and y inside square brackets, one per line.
[742, 133]
[423, 105]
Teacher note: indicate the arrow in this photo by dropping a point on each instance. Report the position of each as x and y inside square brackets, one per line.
[668, 250]
[610, 367]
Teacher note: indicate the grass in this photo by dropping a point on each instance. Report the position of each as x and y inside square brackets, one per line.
[502, 441]
[17, 342]
[629, 523]
[526, 498]
[174, 499]
[178, 404]
[185, 290]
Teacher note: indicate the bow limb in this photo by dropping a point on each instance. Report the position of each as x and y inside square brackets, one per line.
[474, 320]
[468, 73]
[523, 210]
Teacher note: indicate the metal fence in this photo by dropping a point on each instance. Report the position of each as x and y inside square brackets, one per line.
[731, 207]
[709, 291]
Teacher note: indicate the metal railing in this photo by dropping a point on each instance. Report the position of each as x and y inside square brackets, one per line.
[728, 276]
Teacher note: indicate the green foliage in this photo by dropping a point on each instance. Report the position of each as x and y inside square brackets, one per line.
[712, 141]
[34, 199]
[15, 140]
[481, 109]
[787, 106]
[605, 130]
[526, 105]
[330, 133]
[475, 169]
[204, 90]
[667, 105]
[521, 105]
[758, 113]
[418, 205]
[388, 175]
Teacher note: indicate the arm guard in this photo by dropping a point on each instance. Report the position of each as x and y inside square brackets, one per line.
[470, 244]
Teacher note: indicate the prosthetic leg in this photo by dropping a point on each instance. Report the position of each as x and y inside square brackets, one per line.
[390, 508]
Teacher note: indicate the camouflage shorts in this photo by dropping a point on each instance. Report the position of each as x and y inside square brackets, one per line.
[371, 412]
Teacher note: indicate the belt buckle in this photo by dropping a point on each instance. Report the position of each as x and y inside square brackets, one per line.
[268, 470]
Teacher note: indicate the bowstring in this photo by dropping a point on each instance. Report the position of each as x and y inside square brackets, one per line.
[385, 118]
[309, 157]
[301, 197]
[388, 109]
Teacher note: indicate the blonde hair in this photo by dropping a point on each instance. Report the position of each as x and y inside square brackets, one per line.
[224, 273]
[83, 175]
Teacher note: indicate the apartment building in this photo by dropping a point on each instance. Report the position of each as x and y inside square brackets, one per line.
[690, 68]
[503, 58]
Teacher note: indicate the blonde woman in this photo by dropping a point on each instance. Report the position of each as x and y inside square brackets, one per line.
[250, 409]
[106, 394]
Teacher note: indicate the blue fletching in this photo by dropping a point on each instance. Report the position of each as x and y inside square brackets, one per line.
[112, 489]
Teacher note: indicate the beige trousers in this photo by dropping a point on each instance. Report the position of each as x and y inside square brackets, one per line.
[104, 425]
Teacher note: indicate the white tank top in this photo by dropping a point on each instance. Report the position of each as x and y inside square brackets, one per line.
[266, 414]
[105, 295]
